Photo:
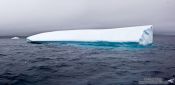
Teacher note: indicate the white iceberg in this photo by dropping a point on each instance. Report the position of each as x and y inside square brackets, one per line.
[15, 38]
[140, 34]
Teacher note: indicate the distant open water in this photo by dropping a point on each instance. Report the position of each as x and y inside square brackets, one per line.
[63, 63]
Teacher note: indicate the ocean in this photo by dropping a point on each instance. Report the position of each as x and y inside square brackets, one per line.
[76, 63]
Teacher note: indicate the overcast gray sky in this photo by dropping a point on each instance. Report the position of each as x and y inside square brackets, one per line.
[27, 17]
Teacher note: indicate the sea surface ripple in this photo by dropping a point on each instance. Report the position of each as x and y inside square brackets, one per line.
[23, 63]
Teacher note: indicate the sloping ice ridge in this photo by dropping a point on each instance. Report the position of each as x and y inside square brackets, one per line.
[142, 35]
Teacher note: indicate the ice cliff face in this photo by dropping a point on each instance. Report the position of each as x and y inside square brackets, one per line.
[147, 36]
[139, 34]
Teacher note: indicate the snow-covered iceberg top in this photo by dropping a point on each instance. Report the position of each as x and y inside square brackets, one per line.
[140, 34]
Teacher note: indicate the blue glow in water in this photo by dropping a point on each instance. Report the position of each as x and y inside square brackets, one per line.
[104, 45]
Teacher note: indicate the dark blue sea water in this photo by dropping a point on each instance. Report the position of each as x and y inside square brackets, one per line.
[64, 63]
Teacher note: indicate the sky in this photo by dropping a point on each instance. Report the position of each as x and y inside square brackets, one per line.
[28, 17]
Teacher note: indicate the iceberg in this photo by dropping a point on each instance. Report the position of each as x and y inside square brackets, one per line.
[142, 35]
[15, 38]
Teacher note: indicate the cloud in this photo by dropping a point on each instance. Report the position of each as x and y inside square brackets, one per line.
[26, 17]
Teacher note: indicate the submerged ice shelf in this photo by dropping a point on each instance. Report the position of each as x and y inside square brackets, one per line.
[142, 35]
